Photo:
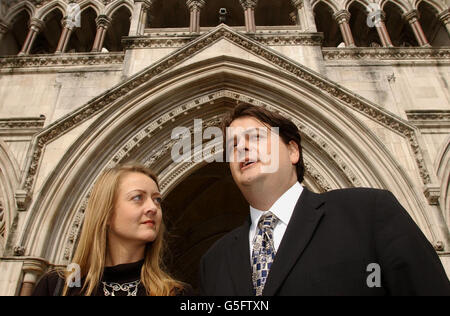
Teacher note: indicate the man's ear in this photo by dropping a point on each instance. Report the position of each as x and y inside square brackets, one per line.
[294, 152]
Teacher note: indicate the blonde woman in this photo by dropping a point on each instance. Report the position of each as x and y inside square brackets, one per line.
[121, 243]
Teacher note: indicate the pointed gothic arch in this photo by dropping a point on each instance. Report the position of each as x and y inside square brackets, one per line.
[17, 9]
[403, 6]
[335, 7]
[443, 171]
[9, 181]
[111, 8]
[323, 15]
[134, 120]
[437, 5]
[48, 8]
[139, 126]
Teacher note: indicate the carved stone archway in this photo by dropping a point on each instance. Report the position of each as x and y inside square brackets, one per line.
[134, 120]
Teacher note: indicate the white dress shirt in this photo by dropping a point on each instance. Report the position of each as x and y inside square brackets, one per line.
[283, 209]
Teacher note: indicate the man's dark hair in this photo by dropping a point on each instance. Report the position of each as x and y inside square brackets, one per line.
[287, 130]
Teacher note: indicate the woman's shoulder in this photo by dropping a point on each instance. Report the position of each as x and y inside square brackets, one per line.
[187, 290]
[50, 284]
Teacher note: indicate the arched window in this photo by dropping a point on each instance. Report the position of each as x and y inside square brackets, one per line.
[120, 26]
[325, 23]
[168, 14]
[433, 28]
[82, 38]
[211, 17]
[271, 13]
[47, 40]
[13, 41]
[398, 28]
[363, 35]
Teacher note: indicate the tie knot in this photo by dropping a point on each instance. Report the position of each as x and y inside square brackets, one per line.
[267, 221]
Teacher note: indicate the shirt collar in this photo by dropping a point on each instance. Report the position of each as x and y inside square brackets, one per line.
[283, 207]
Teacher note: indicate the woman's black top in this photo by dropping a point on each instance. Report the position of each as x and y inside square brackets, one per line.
[120, 280]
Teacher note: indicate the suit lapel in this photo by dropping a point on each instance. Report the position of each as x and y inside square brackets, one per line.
[239, 261]
[301, 227]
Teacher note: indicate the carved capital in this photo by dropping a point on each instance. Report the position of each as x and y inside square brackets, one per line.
[22, 200]
[342, 16]
[195, 4]
[37, 25]
[103, 21]
[411, 16]
[249, 4]
[67, 23]
[432, 194]
[19, 251]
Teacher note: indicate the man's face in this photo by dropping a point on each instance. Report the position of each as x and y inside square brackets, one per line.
[258, 155]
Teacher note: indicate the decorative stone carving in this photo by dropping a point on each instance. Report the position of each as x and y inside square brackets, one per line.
[22, 123]
[422, 54]
[65, 60]
[157, 42]
[432, 194]
[249, 4]
[299, 39]
[374, 112]
[19, 251]
[425, 115]
[23, 199]
[2, 220]
[317, 176]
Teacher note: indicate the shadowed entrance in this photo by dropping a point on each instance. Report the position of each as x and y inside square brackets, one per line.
[199, 211]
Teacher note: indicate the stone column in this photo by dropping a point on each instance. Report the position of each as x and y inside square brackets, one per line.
[305, 15]
[103, 23]
[445, 19]
[249, 11]
[413, 19]
[67, 30]
[32, 270]
[3, 30]
[382, 31]
[195, 6]
[139, 17]
[342, 17]
[36, 26]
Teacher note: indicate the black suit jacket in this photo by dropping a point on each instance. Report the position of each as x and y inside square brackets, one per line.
[328, 245]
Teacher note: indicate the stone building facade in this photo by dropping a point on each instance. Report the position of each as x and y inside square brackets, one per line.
[85, 85]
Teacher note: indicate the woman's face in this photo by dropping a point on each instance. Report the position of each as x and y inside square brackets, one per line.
[137, 213]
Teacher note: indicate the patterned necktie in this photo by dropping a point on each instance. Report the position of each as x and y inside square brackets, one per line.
[263, 252]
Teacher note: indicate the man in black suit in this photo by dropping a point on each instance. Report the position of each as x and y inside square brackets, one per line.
[296, 242]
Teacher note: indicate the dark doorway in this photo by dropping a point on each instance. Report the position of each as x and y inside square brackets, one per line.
[199, 211]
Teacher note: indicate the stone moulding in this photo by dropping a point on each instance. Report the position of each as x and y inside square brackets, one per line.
[429, 115]
[223, 32]
[21, 123]
[394, 53]
[156, 42]
[63, 60]
[174, 40]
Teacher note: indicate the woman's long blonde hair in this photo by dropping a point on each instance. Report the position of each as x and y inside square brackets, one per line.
[90, 253]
